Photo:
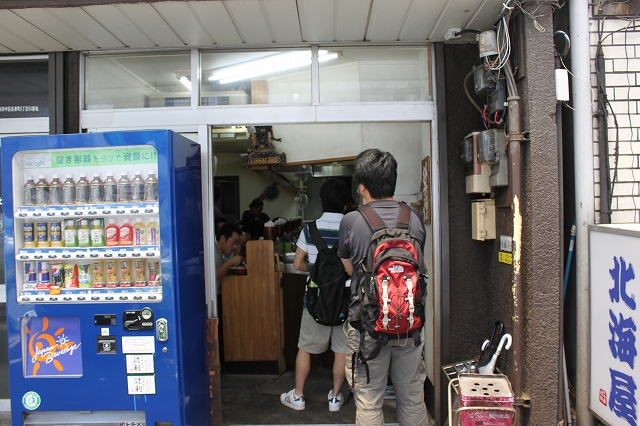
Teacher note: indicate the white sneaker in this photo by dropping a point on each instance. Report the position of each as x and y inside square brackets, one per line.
[335, 402]
[292, 401]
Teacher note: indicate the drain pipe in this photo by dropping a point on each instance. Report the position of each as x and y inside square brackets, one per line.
[515, 137]
[584, 193]
[603, 140]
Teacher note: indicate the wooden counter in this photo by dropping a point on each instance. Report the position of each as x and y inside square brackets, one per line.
[252, 316]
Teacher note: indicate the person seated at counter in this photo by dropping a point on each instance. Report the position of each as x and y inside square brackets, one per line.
[251, 231]
[228, 236]
[254, 212]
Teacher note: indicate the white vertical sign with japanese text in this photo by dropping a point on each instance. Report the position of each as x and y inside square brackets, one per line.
[614, 258]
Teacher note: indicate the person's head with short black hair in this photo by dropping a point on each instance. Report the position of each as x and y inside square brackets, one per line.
[228, 235]
[219, 222]
[378, 171]
[256, 205]
[333, 195]
[216, 193]
[255, 229]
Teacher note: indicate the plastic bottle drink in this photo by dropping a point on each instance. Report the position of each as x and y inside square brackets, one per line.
[55, 190]
[70, 234]
[151, 187]
[153, 232]
[126, 233]
[137, 187]
[69, 190]
[29, 192]
[110, 188]
[112, 233]
[96, 189]
[84, 234]
[42, 191]
[97, 234]
[139, 233]
[124, 188]
[82, 189]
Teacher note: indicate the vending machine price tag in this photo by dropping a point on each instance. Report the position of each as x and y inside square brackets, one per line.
[141, 385]
[138, 344]
[140, 364]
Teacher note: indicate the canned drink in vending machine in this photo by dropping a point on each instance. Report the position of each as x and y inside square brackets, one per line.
[28, 235]
[44, 276]
[141, 272]
[55, 234]
[153, 266]
[126, 276]
[42, 234]
[56, 277]
[98, 273]
[112, 273]
[30, 276]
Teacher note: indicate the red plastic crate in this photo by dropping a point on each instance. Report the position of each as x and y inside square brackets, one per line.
[485, 400]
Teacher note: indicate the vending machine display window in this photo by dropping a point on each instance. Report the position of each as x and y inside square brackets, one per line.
[51, 347]
[86, 225]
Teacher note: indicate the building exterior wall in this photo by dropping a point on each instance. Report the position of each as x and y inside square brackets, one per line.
[620, 39]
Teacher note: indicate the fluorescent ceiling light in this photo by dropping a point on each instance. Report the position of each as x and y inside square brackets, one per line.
[185, 81]
[267, 65]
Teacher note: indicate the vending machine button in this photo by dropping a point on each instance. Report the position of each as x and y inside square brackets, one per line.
[64, 213]
[93, 212]
[26, 299]
[37, 214]
[106, 211]
[66, 256]
[122, 254]
[53, 256]
[81, 298]
[53, 299]
[93, 255]
[37, 256]
[39, 299]
[51, 213]
[152, 297]
[108, 298]
[150, 254]
[24, 257]
[66, 298]
[79, 255]
[124, 298]
[148, 210]
[95, 298]
[108, 255]
[78, 212]
[22, 215]
[136, 254]
[135, 211]
[137, 297]
[120, 211]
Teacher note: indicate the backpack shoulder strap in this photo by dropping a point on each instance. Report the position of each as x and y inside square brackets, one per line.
[373, 218]
[316, 237]
[404, 216]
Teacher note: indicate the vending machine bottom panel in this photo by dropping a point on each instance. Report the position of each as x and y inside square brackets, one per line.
[88, 418]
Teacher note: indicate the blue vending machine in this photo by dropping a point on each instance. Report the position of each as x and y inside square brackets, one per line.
[106, 302]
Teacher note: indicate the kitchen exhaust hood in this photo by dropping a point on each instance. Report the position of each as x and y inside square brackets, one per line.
[318, 170]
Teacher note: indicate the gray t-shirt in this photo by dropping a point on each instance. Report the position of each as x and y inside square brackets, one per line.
[355, 236]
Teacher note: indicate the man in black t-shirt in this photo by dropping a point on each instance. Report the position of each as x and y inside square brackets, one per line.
[401, 360]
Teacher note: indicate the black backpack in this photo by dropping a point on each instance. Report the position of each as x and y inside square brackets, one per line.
[392, 284]
[327, 297]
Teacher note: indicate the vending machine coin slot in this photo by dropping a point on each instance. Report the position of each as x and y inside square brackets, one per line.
[162, 331]
[106, 344]
[138, 320]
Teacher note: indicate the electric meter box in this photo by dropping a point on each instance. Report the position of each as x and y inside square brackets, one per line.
[476, 174]
[483, 219]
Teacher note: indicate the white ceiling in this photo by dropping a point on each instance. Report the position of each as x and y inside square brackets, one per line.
[238, 23]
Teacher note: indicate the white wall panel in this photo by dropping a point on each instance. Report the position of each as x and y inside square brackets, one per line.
[151, 23]
[112, 18]
[16, 43]
[387, 19]
[282, 17]
[56, 28]
[17, 25]
[184, 23]
[249, 20]
[219, 24]
[421, 18]
[351, 19]
[453, 16]
[316, 20]
[86, 25]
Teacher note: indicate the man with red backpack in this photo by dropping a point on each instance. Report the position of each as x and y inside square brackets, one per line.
[374, 352]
